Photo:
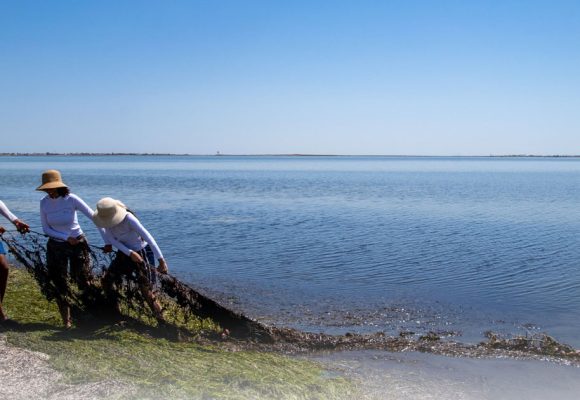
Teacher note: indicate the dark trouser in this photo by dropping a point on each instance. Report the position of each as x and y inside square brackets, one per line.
[123, 267]
[4, 269]
[61, 255]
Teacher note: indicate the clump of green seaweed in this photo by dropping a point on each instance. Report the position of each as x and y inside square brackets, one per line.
[540, 344]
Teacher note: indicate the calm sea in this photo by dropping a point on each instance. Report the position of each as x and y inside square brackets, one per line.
[357, 244]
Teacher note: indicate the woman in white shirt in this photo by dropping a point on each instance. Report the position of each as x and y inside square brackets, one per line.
[67, 244]
[136, 249]
[4, 268]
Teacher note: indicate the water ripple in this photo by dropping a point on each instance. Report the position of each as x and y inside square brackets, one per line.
[455, 242]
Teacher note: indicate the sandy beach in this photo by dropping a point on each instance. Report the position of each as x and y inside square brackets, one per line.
[28, 375]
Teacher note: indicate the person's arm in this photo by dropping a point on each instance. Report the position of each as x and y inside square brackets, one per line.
[6, 212]
[144, 233]
[109, 239]
[48, 229]
[20, 226]
[83, 207]
[162, 266]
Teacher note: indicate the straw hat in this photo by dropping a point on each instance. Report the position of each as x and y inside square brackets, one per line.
[110, 212]
[51, 180]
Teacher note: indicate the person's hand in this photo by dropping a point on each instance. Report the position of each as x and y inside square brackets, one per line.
[108, 248]
[21, 226]
[162, 268]
[2, 230]
[72, 241]
[136, 257]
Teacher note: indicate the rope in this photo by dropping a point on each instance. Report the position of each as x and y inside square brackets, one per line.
[47, 236]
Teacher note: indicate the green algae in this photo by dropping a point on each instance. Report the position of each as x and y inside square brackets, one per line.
[155, 364]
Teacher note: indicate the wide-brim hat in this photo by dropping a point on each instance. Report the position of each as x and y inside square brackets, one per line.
[51, 179]
[109, 213]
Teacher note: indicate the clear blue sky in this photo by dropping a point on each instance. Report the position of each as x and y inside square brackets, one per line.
[253, 77]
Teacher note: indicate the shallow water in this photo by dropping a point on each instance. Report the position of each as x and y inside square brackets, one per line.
[339, 244]
[401, 376]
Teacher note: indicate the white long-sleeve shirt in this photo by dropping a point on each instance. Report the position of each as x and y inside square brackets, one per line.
[59, 216]
[6, 212]
[129, 235]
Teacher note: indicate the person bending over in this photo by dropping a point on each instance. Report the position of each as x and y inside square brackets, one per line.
[136, 251]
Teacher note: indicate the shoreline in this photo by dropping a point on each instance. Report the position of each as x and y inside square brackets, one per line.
[75, 363]
[140, 361]
[415, 375]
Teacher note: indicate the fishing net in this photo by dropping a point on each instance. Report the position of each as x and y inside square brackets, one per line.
[187, 310]
[183, 307]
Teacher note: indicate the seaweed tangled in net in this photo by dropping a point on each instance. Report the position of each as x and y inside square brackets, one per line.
[183, 307]
[189, 311]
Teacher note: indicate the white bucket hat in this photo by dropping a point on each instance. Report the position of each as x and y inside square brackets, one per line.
[110, 212]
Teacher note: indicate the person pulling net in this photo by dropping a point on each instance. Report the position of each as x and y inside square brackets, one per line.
[136, 250]
[181, 306]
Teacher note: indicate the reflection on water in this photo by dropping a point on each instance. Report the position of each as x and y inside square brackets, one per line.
[353, 243]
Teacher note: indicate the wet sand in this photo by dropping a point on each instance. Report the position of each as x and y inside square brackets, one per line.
[417, 376]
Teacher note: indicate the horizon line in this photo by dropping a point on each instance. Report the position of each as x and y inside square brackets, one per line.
[218, 154]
